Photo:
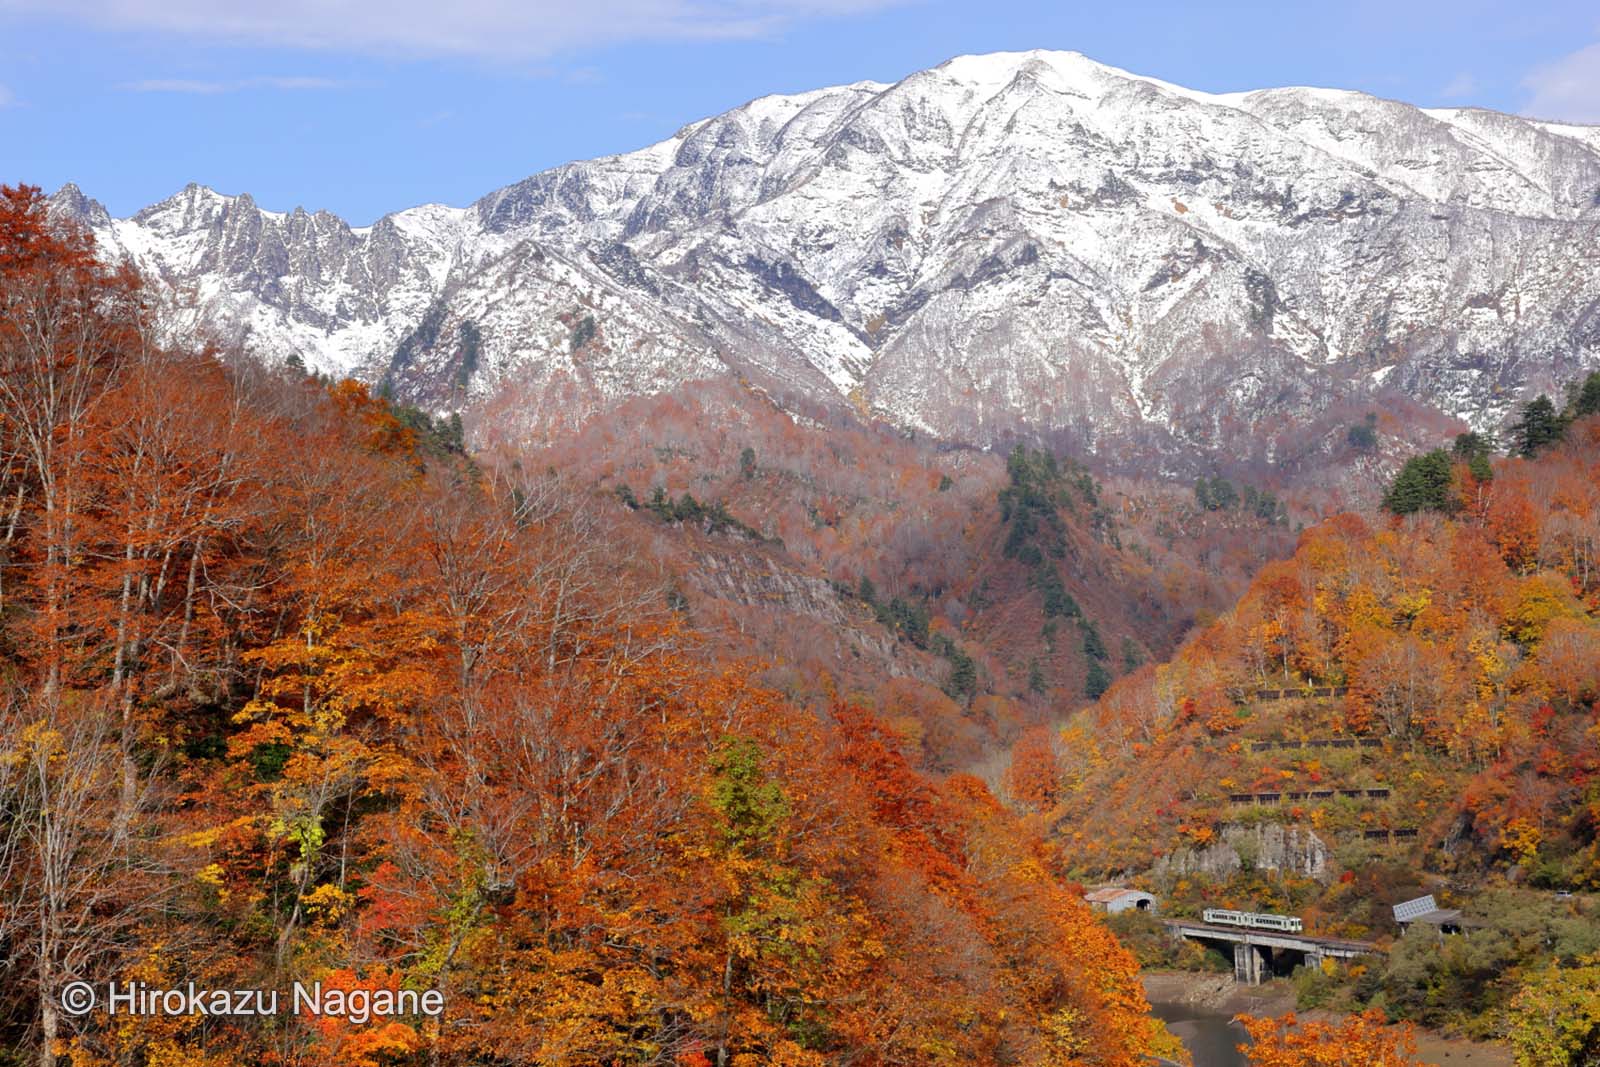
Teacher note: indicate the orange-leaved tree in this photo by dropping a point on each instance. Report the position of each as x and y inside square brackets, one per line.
[1357, 1041]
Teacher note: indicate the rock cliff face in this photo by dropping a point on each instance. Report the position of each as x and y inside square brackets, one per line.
[1263, 847]
[1016, 243]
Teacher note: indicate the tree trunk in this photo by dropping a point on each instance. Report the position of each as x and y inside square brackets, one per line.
[50, 1024]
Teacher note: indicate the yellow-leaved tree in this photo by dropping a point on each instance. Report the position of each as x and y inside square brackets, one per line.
[1555, 1017]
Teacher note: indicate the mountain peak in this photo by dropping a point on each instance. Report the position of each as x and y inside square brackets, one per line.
[70, 202]
[1063, 70]
[1019, 243]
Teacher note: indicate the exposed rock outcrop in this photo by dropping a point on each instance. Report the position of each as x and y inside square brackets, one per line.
[1262, 847]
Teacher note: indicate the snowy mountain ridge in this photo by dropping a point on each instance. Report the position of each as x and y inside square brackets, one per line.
[1019, 243]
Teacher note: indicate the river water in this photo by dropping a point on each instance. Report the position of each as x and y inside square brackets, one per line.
[1211, 1037]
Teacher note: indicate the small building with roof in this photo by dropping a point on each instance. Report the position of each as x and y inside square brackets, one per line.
[1114, 899]
[1426, 911]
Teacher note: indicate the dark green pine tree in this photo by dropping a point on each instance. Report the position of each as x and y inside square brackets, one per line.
[1130, 656]
[1537, 428]
[1224, 497]
[1363, 436]
[1093, 646]
[1036, 679]
[1476, 449]
[1472, 444]
[1423, 484]
[1216, 494]
[963, 680]
[453, 434]
[1096, 681]
[1587, 401]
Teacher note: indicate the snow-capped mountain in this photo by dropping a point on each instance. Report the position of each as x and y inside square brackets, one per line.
[1015, 243]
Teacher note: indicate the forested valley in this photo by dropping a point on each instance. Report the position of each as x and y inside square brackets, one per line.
[728, 732]
[295, 690]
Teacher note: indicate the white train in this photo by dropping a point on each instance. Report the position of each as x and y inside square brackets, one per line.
[1253, 920]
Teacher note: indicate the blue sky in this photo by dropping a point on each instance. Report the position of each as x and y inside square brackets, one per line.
[369, 106]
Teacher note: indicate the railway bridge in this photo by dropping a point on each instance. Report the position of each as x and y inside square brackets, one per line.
[1259, 954]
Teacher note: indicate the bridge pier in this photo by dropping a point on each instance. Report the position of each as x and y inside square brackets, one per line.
[1249, 963]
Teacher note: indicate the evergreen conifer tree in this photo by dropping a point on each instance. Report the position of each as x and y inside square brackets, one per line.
[1538, 427]
[1423, 484]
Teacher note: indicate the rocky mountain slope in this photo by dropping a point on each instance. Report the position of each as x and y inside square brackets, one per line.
[1025, 243]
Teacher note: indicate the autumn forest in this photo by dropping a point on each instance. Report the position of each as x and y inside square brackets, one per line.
[722, 731]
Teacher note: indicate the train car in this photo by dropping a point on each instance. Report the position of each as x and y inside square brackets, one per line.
[1253, 920]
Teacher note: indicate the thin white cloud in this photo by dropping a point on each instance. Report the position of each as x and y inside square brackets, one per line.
[504, 29]
[1568, 88]
[1461, 86]
[6, 98]
[206, 88]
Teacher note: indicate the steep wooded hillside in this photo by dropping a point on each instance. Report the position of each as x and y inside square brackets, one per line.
[966, 596]
[292, 692]
[1406, 706]
[1444, 663]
